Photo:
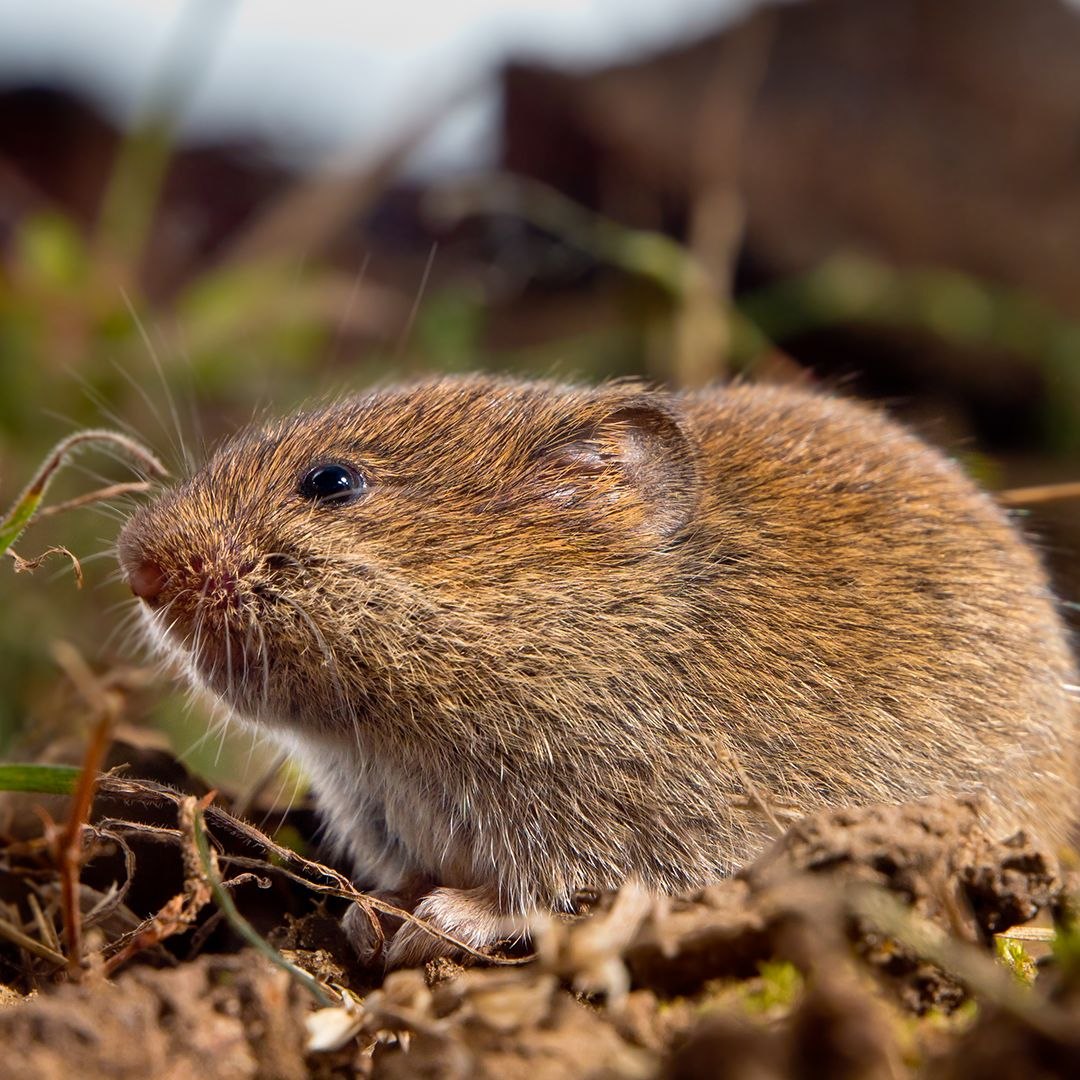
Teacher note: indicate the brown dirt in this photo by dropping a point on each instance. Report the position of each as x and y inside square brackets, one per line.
[783, 971]
[218, 1017]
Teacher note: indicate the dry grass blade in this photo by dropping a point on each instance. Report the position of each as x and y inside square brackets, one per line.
[28, 566]
[1029, 933]
[179, 913]
[981, 974]
[107, 704]
[312, 875]
[169, 920]
[116, 894]
[24, 941]
[1039, 494]
[727, 757]
[45, 927]
[27, 506]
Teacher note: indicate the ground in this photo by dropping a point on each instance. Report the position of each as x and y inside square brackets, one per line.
[874, 942]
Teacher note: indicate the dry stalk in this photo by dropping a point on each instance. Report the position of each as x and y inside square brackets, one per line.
[1039, 494]
[28, 505]
[107, 705]
[727, 756]
[132, 487]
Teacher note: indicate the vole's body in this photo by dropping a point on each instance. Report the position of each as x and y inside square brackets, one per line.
[569, 637]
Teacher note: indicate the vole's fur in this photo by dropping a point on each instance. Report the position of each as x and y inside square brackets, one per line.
[571, 637]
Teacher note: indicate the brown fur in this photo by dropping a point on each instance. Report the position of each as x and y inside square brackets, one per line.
[572, 637]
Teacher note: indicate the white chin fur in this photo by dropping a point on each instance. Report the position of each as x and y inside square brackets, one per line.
[164, 646]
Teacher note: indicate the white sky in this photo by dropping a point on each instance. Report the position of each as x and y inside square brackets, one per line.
[330, 74]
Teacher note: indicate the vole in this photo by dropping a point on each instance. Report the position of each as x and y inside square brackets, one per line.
[529, 639]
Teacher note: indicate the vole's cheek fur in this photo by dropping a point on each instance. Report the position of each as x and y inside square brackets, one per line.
[562, 638]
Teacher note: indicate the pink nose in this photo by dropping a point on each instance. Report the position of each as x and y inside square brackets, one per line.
[146, 581]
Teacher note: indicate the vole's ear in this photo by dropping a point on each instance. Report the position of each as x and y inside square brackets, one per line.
[636, 459]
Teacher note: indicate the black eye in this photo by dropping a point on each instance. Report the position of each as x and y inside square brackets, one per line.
[333, 483]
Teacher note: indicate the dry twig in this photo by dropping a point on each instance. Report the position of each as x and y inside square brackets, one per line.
[69, 851]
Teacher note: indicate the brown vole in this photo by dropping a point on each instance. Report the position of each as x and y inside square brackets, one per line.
[529, 638]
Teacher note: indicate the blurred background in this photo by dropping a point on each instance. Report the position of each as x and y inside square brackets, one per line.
[209, 208]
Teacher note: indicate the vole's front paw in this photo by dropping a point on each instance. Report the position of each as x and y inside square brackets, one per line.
[472, 916]
[367, 933]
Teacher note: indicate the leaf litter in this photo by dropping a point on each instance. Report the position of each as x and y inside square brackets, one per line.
[864, 940]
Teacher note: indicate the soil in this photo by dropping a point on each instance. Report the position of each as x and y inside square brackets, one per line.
[861, 945]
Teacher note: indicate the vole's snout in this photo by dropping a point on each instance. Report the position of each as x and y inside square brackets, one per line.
[218, 582]
[202, 581]
[147, 581]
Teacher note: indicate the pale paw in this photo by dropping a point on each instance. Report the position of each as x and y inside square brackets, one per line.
[471, 916]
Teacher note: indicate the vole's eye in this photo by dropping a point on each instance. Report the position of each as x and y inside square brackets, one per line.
[333, 483]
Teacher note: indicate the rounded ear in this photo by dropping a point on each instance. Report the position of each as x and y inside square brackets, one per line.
[640, 447]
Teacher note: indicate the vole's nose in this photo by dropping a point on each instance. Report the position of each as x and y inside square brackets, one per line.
[146, 580]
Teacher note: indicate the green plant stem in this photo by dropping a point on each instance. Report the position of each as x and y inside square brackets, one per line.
[242, 926]
[26, 506]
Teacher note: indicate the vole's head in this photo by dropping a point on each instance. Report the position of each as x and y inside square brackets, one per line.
[392, 543]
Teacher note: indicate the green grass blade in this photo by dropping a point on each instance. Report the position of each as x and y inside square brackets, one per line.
[44, 779]
[29, 502]
[19, 517]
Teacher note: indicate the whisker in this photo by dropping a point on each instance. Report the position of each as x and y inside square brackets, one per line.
[179, 446]
[194, 417]
[282, 814]
[406, 331]
[246, 798]
[328, 655]
[130, 623]
[95, 398]
[349, 305]
[265, 657]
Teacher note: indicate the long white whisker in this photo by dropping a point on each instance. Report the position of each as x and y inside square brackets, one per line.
[406, 331]
[264, 656]
[178, 439]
